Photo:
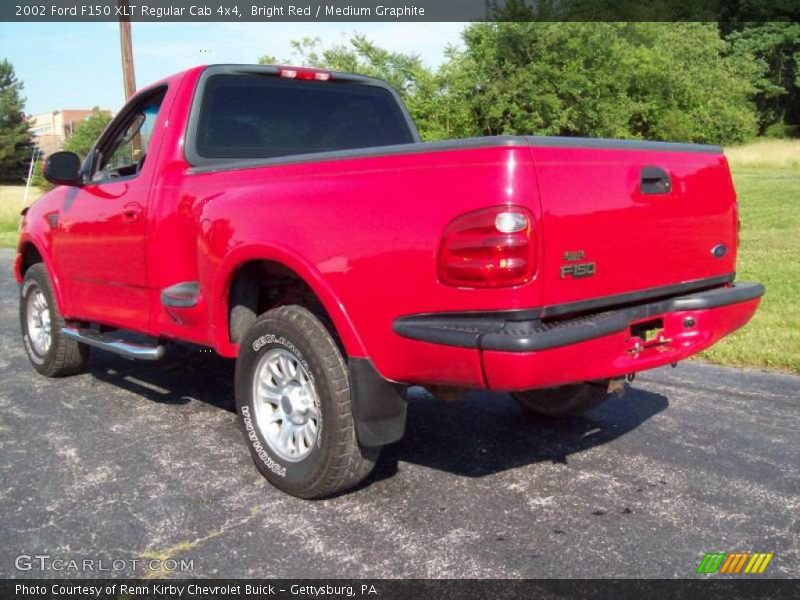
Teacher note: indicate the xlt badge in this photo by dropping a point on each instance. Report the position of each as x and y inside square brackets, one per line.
[573, 255]
[577, 270]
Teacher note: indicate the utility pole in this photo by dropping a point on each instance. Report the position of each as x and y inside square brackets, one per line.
[128, 77]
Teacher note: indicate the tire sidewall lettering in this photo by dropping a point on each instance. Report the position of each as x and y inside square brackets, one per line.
[260, 450]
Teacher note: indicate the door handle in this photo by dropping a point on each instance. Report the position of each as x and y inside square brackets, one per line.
[131, 212]
[654, 180]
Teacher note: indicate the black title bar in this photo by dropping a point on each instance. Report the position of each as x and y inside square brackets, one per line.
[394, 10]
[395, 589]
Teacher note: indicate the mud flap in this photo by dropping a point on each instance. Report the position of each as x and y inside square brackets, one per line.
[379, 406]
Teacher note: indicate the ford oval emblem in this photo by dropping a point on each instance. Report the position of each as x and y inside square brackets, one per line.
[719, 250]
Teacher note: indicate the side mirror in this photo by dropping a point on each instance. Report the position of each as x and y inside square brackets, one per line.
[63, 168]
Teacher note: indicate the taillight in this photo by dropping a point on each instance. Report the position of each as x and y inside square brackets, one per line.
[312, 74]
[492, 247]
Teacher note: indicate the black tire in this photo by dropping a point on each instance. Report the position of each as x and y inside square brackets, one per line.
[335, 461]
[564, 401]
[63, 356]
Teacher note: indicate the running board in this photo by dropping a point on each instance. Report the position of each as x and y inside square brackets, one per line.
[113, 343]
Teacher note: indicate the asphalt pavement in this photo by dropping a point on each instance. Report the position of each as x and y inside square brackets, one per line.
[134, 462]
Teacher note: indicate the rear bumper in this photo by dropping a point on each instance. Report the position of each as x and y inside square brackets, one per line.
[519, 352]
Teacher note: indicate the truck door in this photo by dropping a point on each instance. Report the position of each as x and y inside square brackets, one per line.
[99, 240]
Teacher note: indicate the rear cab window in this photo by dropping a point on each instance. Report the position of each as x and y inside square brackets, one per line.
[262, 116]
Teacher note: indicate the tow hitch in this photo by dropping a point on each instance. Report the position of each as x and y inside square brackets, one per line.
[646, 335]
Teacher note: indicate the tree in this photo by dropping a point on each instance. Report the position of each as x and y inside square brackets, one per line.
[774, 49]
[15, 134]
[661, 81]
[87, 132]
[686, 86]
[541, 78]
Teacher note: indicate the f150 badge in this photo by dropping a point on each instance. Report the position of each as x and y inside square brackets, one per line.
[577, 270]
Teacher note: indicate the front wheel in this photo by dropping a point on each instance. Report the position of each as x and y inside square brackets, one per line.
[293, 399]
[564, 401]
[50, 353]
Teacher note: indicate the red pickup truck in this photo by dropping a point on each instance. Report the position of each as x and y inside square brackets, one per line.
[291, 218]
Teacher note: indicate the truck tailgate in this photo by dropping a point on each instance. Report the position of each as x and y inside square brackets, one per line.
[627, 217]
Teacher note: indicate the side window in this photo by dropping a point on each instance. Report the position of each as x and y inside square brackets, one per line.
[125, 153]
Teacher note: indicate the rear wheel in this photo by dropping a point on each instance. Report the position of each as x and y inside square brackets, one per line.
[50, 353]
[293, 399]
[564, 401]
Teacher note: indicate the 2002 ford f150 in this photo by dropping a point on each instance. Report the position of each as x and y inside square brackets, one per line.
[291, 218]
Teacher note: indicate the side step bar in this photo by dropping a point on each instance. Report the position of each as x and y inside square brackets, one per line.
[112, 343]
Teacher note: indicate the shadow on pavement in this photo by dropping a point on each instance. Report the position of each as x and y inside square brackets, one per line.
[186, 373]
[482, 434]
[488, 433]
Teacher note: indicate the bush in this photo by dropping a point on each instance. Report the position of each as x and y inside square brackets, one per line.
[661, 81]
[38, 180]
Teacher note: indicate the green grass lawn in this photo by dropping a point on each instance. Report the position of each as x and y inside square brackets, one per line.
[767, 178]
[769, 208]
[10, 204]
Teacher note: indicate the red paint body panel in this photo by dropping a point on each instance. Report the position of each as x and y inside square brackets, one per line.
[592, 203]
[364, 233]
[347, 228]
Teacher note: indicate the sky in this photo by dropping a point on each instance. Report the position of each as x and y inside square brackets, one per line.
[77, 65]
